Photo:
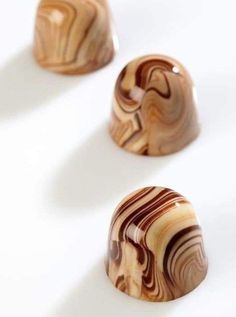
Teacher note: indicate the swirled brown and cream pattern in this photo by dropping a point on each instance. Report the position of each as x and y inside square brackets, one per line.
[155, 248]
[154, 107]
[74, 36]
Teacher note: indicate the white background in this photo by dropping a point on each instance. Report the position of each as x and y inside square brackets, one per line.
[61, 176]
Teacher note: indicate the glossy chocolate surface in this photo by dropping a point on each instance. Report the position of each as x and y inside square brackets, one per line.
[155, 247]
[154, 107]
[74, 36]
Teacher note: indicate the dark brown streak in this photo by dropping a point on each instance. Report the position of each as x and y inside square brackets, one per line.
[140, 195]
[171, 244]
[190, 247]
[162, 65]
[137, 132]
[120, 280]
[133, 216]
[124, 94]
[163, 95]
[180, 246]
[149, 272]
[150, 219]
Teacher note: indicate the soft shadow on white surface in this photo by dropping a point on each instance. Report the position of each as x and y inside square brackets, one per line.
[96, 296]
[100, 171]
[24, 85]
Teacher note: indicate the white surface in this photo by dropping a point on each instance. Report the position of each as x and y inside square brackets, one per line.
[61, 176]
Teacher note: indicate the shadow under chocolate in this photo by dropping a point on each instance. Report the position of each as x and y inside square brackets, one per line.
[99, 171]
[24, 85]
[95, 296]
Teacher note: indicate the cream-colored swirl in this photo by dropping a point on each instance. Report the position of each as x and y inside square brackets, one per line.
[155, 248]
[154, 107]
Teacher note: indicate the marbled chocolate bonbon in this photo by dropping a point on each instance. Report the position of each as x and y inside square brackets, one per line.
[155, 248]
[74, 36]
[154, 107]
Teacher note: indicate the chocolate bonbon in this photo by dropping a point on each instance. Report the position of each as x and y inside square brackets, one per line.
[155, 247]
[74, 36]
[154, 107]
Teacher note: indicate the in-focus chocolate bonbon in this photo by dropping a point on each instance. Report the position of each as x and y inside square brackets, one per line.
[155, 247]
[154, 107]
[74, 36]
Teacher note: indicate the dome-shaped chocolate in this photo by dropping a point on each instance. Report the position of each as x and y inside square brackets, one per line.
[73, 36]
[154, 107]
[155, 248]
